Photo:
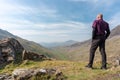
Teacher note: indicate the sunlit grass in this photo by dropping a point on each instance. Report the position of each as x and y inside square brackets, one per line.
[72, 70]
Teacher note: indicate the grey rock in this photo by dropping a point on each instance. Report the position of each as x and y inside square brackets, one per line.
[27, 55]
[116, 63]
[22, 74]
[12, 50]
[5, 77]
[9, 48]
[27, 74]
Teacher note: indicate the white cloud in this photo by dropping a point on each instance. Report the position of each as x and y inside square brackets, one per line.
[12, 8]
[97, 3]
[25, 28]
[78, 0]
[47, 11]
[44, 35]
[7, 8]
[15, 24]
[34, 32]
[66, 26]
[26, 24]
[92, 1]
[13, 15]
[63, 25]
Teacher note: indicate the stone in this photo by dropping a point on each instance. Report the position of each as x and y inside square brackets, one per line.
[5, 77]
[12, 50]
[27, 55]
[43, 70]
[9, 48]
[29, 74]
[34, 74]
[21, 74]
[117, 62]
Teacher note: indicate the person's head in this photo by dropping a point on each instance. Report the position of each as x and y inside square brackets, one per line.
[99, 16]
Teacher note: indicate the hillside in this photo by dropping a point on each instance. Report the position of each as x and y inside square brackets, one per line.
[28, 45]
[115, 31]
[75, 69]
[80, 51]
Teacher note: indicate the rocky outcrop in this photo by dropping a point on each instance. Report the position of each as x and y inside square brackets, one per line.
[27, 55]
[9, 48]
[5, 77]
[34, 74]
[37, 74]
[12, 50]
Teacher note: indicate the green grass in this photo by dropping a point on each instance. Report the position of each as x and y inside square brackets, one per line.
[72, 70]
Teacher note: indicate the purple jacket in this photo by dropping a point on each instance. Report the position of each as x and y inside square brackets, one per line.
[100, 27]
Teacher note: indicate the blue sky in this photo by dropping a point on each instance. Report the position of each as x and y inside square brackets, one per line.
[55, 20]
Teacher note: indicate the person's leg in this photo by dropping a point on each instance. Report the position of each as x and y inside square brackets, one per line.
[93, 48]
[103, 53]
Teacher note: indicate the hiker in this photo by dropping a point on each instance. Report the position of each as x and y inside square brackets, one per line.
[100, 33]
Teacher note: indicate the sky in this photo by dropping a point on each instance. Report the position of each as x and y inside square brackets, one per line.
[55, 20]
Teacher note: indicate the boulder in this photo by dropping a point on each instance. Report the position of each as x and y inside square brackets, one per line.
[9, 49]
[27, 55]
[37, 74]
[22, 74]
[12, 50]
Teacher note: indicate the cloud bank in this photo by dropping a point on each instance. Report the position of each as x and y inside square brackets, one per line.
[49, 21]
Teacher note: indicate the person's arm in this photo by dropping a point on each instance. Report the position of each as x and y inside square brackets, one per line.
[107, 32]
[94, 30]
[93, 33]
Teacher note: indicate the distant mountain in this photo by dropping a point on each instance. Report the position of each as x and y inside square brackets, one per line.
[80, 51]
[28, 45]
[58, 44]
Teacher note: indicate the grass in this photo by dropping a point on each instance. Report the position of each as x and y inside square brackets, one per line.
[72, 70]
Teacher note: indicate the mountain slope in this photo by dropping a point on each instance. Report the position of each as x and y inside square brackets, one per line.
[5, 34]
[80, 51]
[115, 31]
[28, 45]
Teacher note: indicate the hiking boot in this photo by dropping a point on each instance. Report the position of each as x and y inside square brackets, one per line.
[103, 68]
[90, 67]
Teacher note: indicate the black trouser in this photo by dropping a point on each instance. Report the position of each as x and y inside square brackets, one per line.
[99, 41]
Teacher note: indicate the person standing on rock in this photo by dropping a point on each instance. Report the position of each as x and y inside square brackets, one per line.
[100, 33]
